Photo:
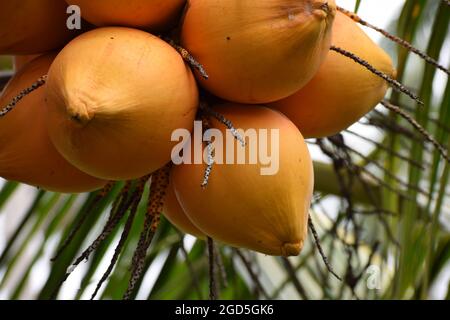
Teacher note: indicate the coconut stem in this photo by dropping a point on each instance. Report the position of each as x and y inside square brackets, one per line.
[117, 212]
[394, 83]
[22, 94]
[204, 107]
[124, 235]
[188, 58]
[405, 115]
[106, 189]
[212, 270]
[396, 39]
[193, 273]
[319, 247]
[378, 165]
[221, 267]
[113, 221]
[255, 278]
[158, 187]
[388, 150]
[290, 269]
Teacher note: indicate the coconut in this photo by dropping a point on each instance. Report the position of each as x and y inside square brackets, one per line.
[257, 51]
[31, 27]
[176, 215]
[342, 91]
[115, 96]
[246, 205]
[147, 14]
[26, 153]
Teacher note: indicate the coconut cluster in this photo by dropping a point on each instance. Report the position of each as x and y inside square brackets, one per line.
[117, 90]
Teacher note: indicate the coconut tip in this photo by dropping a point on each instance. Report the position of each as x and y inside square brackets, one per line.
[289, 249]
[79, 112]
[324, 9]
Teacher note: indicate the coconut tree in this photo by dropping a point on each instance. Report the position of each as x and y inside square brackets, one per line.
[378, 224]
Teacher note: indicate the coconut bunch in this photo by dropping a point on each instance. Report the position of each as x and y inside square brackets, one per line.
[102, 104]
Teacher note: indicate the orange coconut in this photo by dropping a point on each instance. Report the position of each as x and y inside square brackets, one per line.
[258, 51]
[176, 215]
[151, 14]
[20, 61]
[241, 206]
[115, 95]
[26, 152]
[30, 26]
[342, 91]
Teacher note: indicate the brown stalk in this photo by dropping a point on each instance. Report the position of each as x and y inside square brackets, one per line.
[394, 83]
[124, 236]
[106, 189]
[188, 58]
[213, 295]
[158, 188]
[428, 137]
[396, 39]
[22, 94]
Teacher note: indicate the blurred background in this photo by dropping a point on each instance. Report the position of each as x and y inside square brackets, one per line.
[396, 248]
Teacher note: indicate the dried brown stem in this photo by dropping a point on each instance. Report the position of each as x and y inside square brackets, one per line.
[359, 170]
[392, 126]
[293, 278]
[221, 267]
[113, 221]
[106, 189]
[193, 273]
[158, 189]
[109, 227]
[396, 39]
[383, 169]
[313, 230]
[22, 94]
[428, 137]
[437, 122]
[188, 58]
[252, 274]
[204, 107]
[212, 270]
[411, 134]
[394, 83]
[355, 171]
[389, 150]
[116, 215]
[124, 236]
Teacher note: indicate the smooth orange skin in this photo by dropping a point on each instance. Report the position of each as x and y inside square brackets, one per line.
[342, 91]
[115, 95]
[176, 215]
[243, 208]
[257, 51]
[146, 14]
[33, 26]
[26, 153]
